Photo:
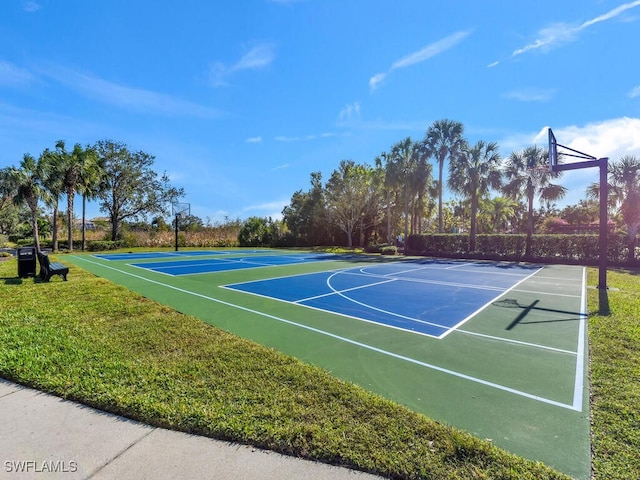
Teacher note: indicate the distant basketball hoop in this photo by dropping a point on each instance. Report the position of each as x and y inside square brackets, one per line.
[180, 210]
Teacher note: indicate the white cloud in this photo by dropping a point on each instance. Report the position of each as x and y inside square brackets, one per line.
[32, 6]
[530, 95]
[254, 140]
[267, 209]
[635, 92]
[350, 113]
[259, 56]
[305, 138]
[560, 33]
[376, 80]
[420, 56]
[128, 98]
[430, 50]
[493, 64]
[280, 167]
[11, 75]
[612, 138]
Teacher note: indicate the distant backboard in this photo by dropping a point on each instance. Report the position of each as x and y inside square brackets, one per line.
[181, 209]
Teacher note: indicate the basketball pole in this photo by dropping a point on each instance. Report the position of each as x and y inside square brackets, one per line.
[177, 218]
[603, 230]
[603, 240]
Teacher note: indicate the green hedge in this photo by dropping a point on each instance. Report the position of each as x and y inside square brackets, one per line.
[581, 249]
[101, 245]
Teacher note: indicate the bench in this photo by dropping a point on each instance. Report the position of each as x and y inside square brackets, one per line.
[48, 269]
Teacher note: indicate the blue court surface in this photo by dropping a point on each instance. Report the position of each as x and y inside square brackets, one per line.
[410, 296]
[222, 264]
[178, 254]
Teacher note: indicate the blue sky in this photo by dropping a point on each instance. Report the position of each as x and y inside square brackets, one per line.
[239, 101]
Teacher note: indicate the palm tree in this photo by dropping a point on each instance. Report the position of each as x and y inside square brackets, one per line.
[26, 180]
[72, 166]
[472, 174]
[52, 182]
[388, 187]
[6, 188]
[624, 193]
[90, 183]
[527, 175]
[421, 182]
[500, 210]
[443, 140]
[402, 157]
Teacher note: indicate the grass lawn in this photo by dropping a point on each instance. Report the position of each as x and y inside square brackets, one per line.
[614, 344]
[95, 342]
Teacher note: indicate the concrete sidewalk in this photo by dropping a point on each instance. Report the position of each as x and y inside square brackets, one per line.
[43, 436]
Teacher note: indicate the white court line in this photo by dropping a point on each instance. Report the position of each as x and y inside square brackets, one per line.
[551, 294]
[579, 383]
[334, 291]
[376, 309]
[421, 280]
[517, 342]
[350, 341]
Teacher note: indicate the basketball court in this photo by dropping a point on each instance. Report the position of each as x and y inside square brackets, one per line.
[496, 349]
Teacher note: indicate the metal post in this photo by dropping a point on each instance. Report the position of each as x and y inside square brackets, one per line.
[604, 224]
[177, 217]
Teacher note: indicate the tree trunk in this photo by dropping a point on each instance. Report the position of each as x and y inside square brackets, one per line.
[33, 206]
[631, 246]
[55, 228]
[440, 167]
[84, 229]
[114, 229]
[472, 230]
[70, 220]
[527, 248]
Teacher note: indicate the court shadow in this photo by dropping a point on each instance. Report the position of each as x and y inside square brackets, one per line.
[12, 280]
[526, 309]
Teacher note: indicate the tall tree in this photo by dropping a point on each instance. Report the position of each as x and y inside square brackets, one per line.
[8, 211]
[7, 190]
[443, 140]
[26, 182]
[53, 183]
[350, 193]
[624, 194]
[526, 175]
[306, 216]
[131, 188]
[422, 185]
[393, 185]
[90, 182]
[472, 174]
[401, 162]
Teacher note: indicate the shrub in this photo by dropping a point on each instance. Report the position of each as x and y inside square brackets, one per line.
[579, 248]
[101, 245]
[389, 250]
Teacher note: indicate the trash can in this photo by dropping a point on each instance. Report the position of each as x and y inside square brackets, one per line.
[26, 262]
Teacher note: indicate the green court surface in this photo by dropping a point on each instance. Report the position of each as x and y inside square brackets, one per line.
[514, 371]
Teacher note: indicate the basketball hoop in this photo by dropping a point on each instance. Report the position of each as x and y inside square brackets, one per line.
[588, 161]
[180, 210]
